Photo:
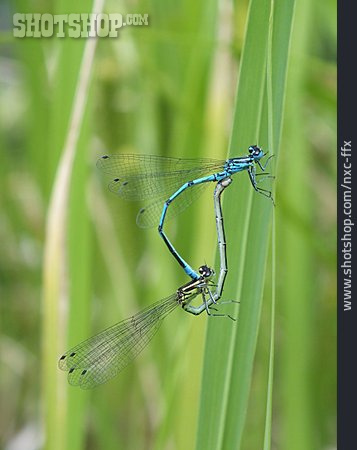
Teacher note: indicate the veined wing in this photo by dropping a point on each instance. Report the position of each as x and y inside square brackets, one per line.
[148, 177]
[101, 357]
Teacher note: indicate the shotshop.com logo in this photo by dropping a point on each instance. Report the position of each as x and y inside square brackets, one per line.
[74, 25]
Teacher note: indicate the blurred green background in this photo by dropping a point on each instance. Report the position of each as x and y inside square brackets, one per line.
[73, 262]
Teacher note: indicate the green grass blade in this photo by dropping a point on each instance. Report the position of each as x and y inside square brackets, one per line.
[56, 279]
[269, 405]
[220, 337]
[299, 414]
[230, 348]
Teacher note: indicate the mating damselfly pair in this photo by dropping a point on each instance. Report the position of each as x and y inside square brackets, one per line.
[170, 184]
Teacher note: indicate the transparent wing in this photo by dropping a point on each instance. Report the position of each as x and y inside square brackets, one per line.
[149, 216]
[101, 357]
[148, 177]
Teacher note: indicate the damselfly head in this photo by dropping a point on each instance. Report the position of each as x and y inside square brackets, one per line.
[206, 272]
[256, 152]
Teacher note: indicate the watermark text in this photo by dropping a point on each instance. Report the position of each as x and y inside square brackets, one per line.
[74, 25]
[346, 236]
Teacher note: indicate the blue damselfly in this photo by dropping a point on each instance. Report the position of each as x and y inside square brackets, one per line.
[167, 183]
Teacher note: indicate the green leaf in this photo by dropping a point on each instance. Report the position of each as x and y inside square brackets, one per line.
[230, 347]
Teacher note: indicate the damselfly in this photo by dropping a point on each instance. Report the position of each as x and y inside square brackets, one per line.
[167, 183]
[101, 357]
